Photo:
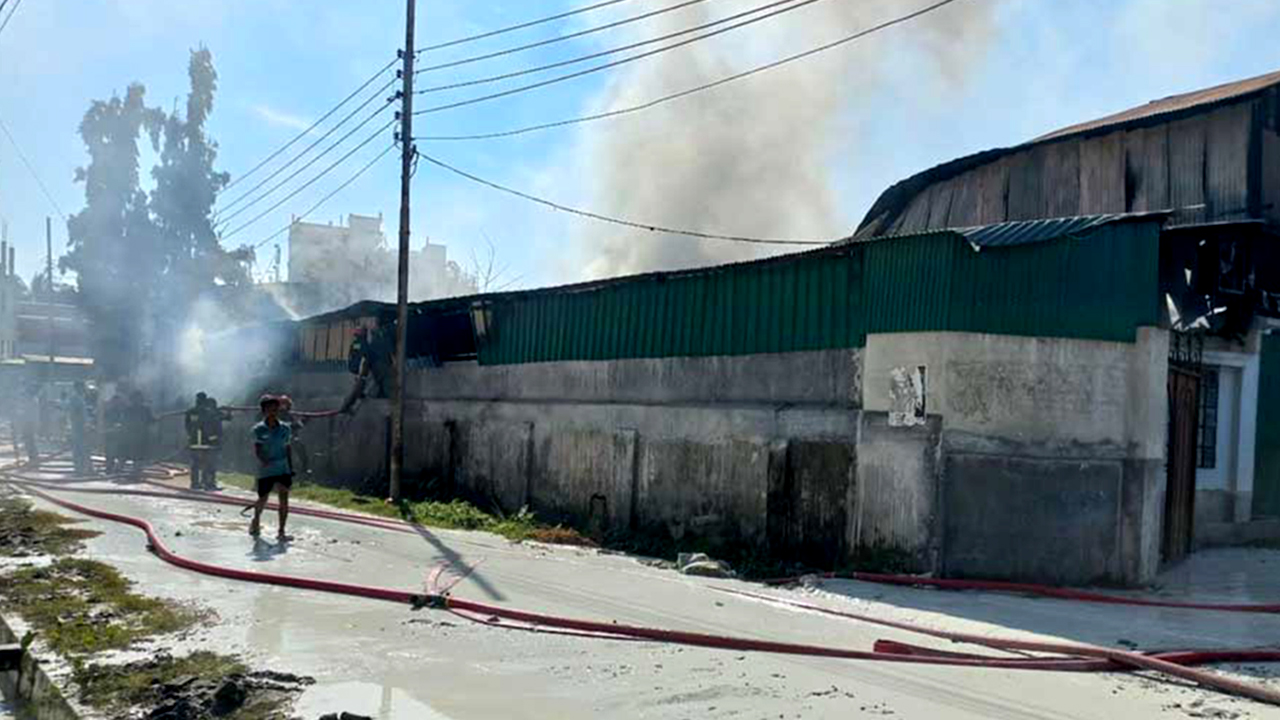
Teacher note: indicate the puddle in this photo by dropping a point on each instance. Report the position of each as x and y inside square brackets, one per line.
[377, 701]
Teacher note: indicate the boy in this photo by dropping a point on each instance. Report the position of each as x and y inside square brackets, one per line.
[271, 439]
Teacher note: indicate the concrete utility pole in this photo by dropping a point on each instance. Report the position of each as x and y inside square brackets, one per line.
[402, 290]
[48, 282]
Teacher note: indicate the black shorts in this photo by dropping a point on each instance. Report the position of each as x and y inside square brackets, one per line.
[267, 483]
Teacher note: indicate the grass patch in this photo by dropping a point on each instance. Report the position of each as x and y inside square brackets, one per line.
[448, 515]
[202, 684]
[25, 532]
[82, 606]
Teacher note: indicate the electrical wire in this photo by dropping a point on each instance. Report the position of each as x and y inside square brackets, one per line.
[312, 181]
[618, 221]
[270, 191]
[12, 12]
[558, 38]
[624, 48]
[326, 198]
[18, 150]
[519, 26]
[313, 126]
[609, 65]
[310, 147]
[685, 93]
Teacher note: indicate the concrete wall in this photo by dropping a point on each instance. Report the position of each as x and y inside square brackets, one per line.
[1053, 450]
[768, 451]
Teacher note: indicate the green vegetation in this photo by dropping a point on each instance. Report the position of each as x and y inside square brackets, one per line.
[451, 515]
[120, 687]
[25, 532]
[81, 606]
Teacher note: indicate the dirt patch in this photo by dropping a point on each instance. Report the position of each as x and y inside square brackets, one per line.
[199, 685]
[561, 536]
[25, 532]
[81, 606]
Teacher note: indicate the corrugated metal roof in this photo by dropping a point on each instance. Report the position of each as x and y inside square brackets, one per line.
[1171, 104]
[1027, 232]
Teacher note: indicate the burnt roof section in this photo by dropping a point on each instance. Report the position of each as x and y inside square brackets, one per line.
[1172, 104]
[896, 197]
[1028, 232]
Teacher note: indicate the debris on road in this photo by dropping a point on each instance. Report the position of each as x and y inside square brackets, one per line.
[702, 565]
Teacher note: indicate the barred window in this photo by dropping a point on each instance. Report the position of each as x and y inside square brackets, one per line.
[1207, 450]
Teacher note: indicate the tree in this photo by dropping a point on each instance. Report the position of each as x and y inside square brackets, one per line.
[113, 245]
[142, 261]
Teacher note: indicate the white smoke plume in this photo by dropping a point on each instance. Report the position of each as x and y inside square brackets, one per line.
[754, 157]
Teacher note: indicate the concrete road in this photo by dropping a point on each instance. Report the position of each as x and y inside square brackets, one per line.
[388, 661]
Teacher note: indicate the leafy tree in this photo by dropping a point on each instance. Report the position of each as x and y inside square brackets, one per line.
[113, 244]
[143, 261]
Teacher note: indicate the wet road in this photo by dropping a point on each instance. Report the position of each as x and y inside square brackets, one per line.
[389, 662]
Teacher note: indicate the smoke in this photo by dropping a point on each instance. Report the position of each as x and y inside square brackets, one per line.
[754, 157]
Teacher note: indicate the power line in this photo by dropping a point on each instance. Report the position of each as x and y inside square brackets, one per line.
[560, 38]
[306, 165]
[519, 26]
[617, 221]
[312, 181]
[18, 150]
[691, 91]
[310, 147]
[313, 126]
[630, 46]
[606, 66]
[326, 198]
[12, 12]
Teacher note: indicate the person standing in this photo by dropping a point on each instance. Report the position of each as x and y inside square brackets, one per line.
[197, 444]
[138, 420]
[29, 419]
[298, 451]
[212, 419]
[114, 417]
[271, 445]
[77, 407]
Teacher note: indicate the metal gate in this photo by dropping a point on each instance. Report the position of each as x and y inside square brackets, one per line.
[1180, 463]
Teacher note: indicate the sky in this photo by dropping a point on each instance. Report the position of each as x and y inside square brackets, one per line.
[798, 152]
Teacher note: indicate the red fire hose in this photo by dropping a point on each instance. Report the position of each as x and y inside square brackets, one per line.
[1166, 663]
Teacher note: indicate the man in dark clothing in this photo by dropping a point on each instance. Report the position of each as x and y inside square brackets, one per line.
[138, 421]
[77, 407]
[197, 441]
[114, 416]
[212, 418]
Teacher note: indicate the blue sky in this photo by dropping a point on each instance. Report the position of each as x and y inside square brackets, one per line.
[1023, 68]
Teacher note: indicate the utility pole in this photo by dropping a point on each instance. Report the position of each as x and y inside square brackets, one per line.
[402, 290]
[48, 282]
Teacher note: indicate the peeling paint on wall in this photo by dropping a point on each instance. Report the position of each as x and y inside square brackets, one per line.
[907, 396]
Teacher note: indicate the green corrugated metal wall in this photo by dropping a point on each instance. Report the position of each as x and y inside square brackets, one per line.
[1102, 286]
[1266, 473]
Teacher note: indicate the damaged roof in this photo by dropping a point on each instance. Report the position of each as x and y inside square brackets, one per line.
[1027, 232]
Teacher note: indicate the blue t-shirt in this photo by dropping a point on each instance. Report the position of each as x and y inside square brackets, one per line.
[275, 446]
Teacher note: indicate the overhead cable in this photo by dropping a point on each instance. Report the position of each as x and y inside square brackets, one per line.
[308, 164]
[623, 48]
[13, 11]
[31, 169]
[609, 65]
[558, 38]
[312, 181]
[519, 26]
[685, 93]
[313, 125]
[618, 221]
[326, 198]
[310, 147]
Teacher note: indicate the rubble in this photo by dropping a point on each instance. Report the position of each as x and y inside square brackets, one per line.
[702, 565]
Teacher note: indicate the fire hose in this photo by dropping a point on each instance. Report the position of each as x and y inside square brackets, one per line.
[1072, 657]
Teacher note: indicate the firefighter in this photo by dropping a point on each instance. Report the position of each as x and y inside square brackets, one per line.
[213, 417]
[29, 420]
[137, 430]
[114, 415]
[77, 408]
[197, 441]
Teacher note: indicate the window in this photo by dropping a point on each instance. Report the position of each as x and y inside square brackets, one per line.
[1207, 451]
